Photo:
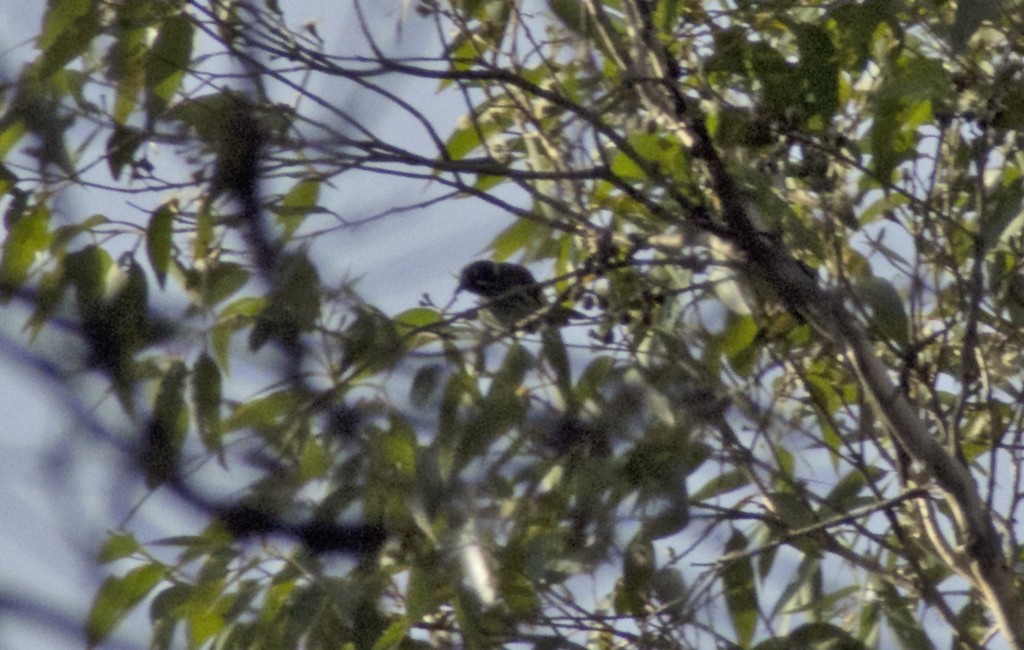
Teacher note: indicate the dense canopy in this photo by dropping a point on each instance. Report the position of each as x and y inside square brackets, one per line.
[782, 403]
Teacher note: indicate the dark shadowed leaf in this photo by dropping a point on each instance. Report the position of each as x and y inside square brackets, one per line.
[740, 590]
[206, 400]
[888, 313]
[165, 433]
[158, 241]
[167, 62]
[69, 26]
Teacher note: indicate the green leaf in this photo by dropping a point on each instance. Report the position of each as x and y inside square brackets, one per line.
[518, 236]
[167, 62]
[395, 451]
[792, 510]
[737, 339]
[509, 378]
[637, 570]
[740, 590]
[908, 97]
[486, 182]
[471, 621]
[466, 137]
[819, 69]
[26, 238]
[823, 636]
[12, 134]
[721, 484]
[520, 594]
[203, 624]
[459, 389]
[117, 547]
[1004, 218]
[206, 400]
[19, 197]
[736, 127]
[66, 234]
[297, 291]
[416, 319]
[236, 315]
[638, 562]
[425, 383]
[1010, 116]
[594, 377]
[783, 94]
[61, 17]
[16, 208]
[126, 59]
[204, 232]
[393, 637]
[889, 144]
[69, 26]
[888, 313]
[117, 597]
[842, 498]
[882, 206]
[573, 15]
[127, 310]
[624, 167]
[300, 201]
[672, 515]
[313, 461]
[207, 115]
[969, 16]
[666, 154]
[730, 52]
[670, 588]
[164, 634]
[166, 431]
[501, 408]
[371, 342]
[221, 281]
[429, 586]
[558, 359]
[855, 29]
[169, 602]
[121, 148]
[158, 240]
[261, 412]
[86, 270]
[904, 620]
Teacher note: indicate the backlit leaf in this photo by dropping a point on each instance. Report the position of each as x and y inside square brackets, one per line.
[117, 597]
[26, 238]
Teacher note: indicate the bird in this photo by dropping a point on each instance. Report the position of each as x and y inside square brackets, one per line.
[512, 297]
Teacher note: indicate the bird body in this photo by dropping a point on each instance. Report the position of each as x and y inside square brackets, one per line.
[511, 295]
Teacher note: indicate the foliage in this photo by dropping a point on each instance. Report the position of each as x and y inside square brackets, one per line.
[794, 230]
